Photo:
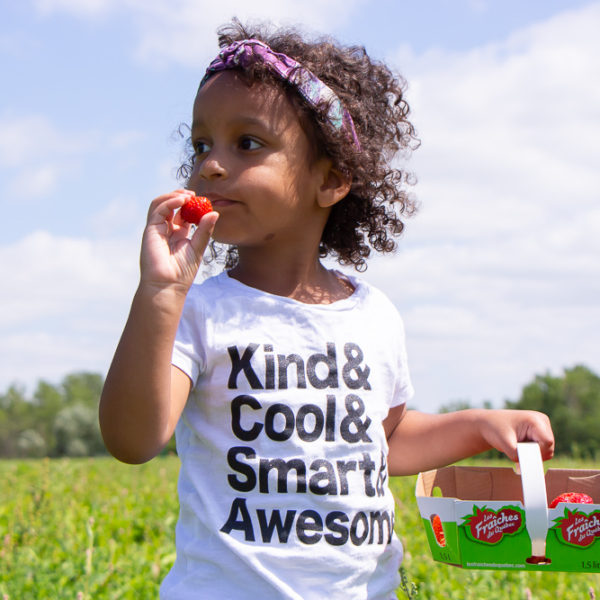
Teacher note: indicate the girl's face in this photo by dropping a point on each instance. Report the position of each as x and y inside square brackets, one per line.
[252, 162]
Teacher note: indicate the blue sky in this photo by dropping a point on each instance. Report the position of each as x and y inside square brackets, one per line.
[497, 277]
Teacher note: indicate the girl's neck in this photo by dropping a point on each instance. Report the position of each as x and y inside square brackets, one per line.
[307, 281]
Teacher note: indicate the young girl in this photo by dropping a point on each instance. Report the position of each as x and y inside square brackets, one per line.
[286, 383]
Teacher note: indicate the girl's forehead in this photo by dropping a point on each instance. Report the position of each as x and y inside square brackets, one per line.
[228, 90]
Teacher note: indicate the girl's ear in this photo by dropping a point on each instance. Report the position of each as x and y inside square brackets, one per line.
[335, 186]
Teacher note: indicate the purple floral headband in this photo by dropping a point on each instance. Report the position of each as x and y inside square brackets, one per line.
[244, 53]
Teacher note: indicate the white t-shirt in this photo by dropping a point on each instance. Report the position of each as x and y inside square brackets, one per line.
[283, 483]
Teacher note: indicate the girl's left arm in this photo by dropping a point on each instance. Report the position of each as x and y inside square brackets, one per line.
[419, 442]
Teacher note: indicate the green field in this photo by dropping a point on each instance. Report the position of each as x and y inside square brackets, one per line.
[97, 529]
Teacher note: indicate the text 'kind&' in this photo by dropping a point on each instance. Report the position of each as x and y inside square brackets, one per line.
[320, 370]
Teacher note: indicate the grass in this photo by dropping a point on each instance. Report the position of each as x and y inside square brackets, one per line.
[88, 528]
[96, 529]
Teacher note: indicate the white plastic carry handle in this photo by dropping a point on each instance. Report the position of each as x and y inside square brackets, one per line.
[534, 495]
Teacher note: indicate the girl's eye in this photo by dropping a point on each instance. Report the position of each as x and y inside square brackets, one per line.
[248, 143]
[201, 147]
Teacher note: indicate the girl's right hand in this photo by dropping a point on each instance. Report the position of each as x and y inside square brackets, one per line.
[170, 256]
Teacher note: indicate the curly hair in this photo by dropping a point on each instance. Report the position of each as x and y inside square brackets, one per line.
[370, 216]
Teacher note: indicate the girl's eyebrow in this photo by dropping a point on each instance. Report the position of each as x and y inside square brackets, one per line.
[240, 121]
[250, 120]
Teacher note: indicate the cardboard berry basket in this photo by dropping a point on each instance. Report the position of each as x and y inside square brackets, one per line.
[494, 518]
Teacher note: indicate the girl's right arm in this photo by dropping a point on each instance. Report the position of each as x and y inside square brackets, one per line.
[143, 394]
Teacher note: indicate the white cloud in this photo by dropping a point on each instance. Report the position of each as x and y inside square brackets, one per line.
[65, 301]
[50, 275]
[80, 8]
[123, 140]
[35, 155]
[39, 181]
[116, 218]
[25, 138]
[183, 31]
[29, 356]
[498, 277]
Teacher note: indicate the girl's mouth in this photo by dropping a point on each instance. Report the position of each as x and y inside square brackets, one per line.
[220, 201]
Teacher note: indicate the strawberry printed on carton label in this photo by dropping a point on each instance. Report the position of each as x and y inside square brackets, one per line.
[577, 528]
[490, 526]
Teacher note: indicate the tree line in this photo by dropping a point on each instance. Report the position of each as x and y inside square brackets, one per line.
[62, 419]
[55, 420]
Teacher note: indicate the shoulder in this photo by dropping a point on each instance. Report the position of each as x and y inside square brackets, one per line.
[376, 306]
[209, 289]
[372, 296]
[223, 299]
[201, 296]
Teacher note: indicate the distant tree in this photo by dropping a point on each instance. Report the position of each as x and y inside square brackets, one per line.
[454, 406]
[76, 431]
[47, 401]
[15, 417]
[82, 388]
[58, 420]
[572, 402]
[462, 404]
[32, 444]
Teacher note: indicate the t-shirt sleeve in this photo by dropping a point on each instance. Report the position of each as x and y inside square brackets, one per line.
[188, 350]
[403, 389]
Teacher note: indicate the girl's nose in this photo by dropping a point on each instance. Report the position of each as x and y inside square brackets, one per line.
[211, 168]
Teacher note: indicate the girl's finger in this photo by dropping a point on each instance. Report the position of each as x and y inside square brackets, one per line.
[201, 236]
[162, 207]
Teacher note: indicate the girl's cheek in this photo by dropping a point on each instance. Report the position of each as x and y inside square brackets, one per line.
[194, 175]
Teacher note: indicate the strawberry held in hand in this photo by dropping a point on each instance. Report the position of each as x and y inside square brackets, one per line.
[195, 208]
[574, 497]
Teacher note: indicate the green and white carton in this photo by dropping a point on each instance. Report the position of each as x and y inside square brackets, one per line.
[494, 518]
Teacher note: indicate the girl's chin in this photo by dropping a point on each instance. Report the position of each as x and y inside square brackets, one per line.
[231, 236]
[242, 237]
[222, 237]
[223, 234]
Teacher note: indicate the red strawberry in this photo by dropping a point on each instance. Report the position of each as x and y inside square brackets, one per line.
[194, 209]
[575, 497]
[438, 530]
